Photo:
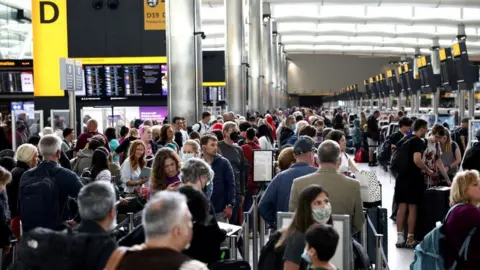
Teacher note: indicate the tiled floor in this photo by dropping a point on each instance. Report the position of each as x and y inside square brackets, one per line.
[398, 259]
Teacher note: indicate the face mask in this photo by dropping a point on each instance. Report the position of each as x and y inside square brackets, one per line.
[322, 215]
[306, 257]
[234, 136]
[186, 157]
[293, 126]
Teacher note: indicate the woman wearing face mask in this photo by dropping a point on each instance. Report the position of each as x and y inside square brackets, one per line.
[166, 170]
[191, 149]
[313, 207]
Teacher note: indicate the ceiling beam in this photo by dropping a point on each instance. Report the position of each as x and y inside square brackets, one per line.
[427, 3]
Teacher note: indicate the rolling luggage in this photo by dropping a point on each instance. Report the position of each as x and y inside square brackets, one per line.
[230, 265]
[434, 208]
[370, 189]
[379, 218]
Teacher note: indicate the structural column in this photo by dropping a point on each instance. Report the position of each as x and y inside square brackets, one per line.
[255, 54]
[275, 89]
[279, 72]
[284, 75]
[185, 95]
[461, 93]
[234, 50]
[267, 58]
[435, 56]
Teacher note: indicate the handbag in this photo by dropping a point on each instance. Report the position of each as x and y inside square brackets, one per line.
[359, 155]
[370, 189]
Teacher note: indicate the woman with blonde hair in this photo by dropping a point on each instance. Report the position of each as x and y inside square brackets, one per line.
[165, 170]
[451, 156]
[463, 219]
[132, 167]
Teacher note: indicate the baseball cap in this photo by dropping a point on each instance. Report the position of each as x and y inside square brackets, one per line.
[303, 145]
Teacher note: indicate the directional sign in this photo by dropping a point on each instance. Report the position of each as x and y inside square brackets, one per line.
[67, 74]
[78, 75]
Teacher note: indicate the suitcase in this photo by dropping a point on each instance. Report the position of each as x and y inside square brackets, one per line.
[434, 207]
[379, 218]
[230, 265]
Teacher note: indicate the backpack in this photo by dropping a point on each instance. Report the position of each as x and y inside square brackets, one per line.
[270, 257]
[399, 158]
[44, 249]
[456, 137]
[428, 255]
[39, 200]
[385, 152]
[361, 261]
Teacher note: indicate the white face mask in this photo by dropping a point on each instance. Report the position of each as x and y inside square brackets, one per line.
[186, 157]
[322, 215]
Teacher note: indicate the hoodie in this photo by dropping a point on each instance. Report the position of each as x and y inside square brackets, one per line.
[270, 122]
[357, 133]
[471, 158]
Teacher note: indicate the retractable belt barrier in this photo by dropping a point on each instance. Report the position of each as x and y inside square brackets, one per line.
[258, 233]
[381, 260]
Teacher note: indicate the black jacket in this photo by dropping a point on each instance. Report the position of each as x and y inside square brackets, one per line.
[471, 158]
[372, 127]
[13, 187]
[207, 235]
[5, 232]
[100, 249]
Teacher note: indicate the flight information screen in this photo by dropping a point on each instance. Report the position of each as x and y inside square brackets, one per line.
[126, 80]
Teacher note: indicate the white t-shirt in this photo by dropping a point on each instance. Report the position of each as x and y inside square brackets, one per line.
[202, 129]
[265, 144]
[128, 174]
[344, 167]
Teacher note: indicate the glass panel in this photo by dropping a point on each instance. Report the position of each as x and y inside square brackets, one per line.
[213, 29]
[374, 27]
[331, 38]
[471, 13]
[59, 120]
[370, 39]
[447, 30]
[14, 32]
[329, 47]
[298, 47]
[211, 13]
[471, 31]
[295, 38]
[289, 10]
[25, 123]
[415, 29]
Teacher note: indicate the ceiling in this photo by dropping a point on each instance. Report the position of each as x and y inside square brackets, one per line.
[357, 27]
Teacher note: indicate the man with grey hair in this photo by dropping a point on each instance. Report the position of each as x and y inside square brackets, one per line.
[96, 206]
[344, 192]
[168, 230]
[44, 190]
[229, 149]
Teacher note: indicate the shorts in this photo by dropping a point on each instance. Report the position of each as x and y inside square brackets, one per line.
[409, 189]
[372, 145]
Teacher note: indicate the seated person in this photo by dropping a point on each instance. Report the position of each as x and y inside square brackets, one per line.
[96, 205]
[321, 244]
[313, 208]
[465, 194]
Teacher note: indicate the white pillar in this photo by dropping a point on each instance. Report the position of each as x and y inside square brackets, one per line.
[255, 54]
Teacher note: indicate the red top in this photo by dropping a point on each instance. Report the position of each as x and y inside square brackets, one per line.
[248, 153]
[84, 138]
[272, 126]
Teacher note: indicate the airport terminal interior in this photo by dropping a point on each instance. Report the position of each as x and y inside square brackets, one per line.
[239, 134]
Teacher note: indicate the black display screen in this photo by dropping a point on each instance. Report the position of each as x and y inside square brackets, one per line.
[126, 80]
[209, 92]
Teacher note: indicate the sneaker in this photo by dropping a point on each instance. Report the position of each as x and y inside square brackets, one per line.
[411, 242]
[400, 240]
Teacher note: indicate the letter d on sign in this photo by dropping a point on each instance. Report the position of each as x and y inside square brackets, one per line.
[43, 12]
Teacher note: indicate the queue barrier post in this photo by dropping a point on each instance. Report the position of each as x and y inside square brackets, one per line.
[255, 231]
[363, 236]
[378, 251]
[130, 222]
[233, 247]
[246, 239]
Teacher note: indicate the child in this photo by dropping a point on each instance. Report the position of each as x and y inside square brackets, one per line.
[322, 241]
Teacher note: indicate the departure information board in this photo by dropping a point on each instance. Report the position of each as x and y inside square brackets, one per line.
[125, 80]
[16, 76]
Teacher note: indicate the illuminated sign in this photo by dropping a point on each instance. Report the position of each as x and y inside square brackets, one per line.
[400, 70]
[389, 73]
[421, 62]
[154, 14]
[443, 54]
[405, 68]
[372, 79]
[456, 50]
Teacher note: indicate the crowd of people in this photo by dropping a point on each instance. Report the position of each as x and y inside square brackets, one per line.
[186, 179]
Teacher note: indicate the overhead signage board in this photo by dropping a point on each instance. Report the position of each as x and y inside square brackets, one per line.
[154, 15]
[49, 23]
[456, 50]
[443, 54]
[67, 74]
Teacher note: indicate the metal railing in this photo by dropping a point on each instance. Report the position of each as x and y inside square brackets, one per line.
[381, 261]
[258, 232]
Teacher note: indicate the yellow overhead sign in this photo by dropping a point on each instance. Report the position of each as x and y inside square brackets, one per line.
[405, 68]
[443, 54]
[456, 50]
[422, 62]
[400, 70]
[154, 14]
[372, 79]
[389, 73]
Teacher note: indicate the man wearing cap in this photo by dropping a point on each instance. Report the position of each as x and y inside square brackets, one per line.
[278, 192]
[472, 155]
[344, 192]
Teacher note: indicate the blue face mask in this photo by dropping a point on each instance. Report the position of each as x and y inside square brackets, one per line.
[306, 257]
[293, 126]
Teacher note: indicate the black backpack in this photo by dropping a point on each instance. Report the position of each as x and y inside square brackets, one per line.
[400, 156]
[39, 197]
[456, 137]
[361, 261]
[43, 249]
[270, 257]
[385, 152]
